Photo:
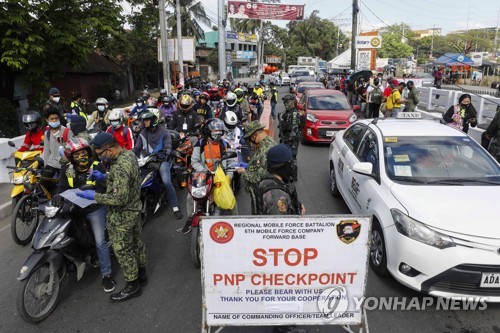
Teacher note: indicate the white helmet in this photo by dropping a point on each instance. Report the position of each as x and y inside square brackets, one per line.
[230, 120]
[116, 118]
[101, 100]
[231, 99]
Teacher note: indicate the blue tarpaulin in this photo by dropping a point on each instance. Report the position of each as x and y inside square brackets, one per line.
[453, 59]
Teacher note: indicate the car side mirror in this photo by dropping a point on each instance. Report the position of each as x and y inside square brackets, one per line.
[10, 143]
[356, 108]
[363, 168]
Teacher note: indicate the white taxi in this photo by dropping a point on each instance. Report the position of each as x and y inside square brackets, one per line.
[432, 192]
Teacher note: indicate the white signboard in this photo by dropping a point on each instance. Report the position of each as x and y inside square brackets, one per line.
[364, 60]
[262, 270]
[188, 49]
[368, 42]
[477, 57]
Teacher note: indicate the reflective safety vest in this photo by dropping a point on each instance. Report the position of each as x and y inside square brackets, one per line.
[89, 182]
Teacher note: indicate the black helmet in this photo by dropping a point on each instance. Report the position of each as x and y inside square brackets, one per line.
[32, 121]
[151, 114]
[139, 100]
[215, 129]
[168, 100]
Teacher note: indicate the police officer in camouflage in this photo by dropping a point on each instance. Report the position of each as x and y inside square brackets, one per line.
[123, 202]
[254, 133]
[412, 100]
[290, 125]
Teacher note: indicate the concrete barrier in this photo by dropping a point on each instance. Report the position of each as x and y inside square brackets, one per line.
[5, 157]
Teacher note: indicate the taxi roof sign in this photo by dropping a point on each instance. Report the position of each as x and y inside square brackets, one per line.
[409, 115]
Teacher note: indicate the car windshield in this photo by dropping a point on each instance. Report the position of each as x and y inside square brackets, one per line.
[305, 87]
[300, 73]
[439, 161]
[328, 102]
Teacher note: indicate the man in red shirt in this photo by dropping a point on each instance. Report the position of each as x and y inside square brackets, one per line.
[34, 132]
[122, 133]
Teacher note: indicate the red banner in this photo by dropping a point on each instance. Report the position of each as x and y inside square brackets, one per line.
[264, 11]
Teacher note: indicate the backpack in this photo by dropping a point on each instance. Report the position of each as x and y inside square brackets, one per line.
[124, 132]
[257, 193]
[390, 102]
[376, 95]
[65, 134]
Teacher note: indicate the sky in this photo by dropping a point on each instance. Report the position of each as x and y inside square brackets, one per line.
[449, 15]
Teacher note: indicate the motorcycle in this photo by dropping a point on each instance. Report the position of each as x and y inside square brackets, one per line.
[23, 159]
[200, 186]
[182, 149]
[152, 190]
[63, 240]
[235, 139]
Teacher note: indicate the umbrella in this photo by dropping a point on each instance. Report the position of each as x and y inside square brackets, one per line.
[365, 73]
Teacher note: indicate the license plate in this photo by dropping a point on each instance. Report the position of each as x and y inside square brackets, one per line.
[330, 133]
[490, 280]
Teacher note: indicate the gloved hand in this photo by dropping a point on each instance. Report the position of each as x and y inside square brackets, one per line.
[97, 175]
[57, 200]
[241, 165]
[87, 194]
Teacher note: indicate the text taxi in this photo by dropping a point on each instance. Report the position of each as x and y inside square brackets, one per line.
[432, 191]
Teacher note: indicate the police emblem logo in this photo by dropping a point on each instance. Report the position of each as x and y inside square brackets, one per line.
[281, 205]
[221, 232]
[348, 231]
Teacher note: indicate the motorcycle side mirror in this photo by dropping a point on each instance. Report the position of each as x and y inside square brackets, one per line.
[229, 154]
[11, 144]
[42, 144]
[40, 161]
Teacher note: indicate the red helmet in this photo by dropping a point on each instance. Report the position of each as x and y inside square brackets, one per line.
[74, 145]
[179, 86]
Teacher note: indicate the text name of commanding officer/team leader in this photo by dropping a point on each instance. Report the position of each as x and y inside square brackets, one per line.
[284, 225]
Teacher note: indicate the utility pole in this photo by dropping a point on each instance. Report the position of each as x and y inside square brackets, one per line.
[355, 10]
[222, 40]
[179, 42]
[164, 48]
[496, 36]
[337, 43]
[260, 51]
[432, 41]
[467, 30]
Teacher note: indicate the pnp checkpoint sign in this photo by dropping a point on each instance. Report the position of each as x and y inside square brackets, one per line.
[261, 270]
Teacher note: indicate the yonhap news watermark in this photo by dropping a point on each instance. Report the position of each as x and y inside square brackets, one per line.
[333, 303]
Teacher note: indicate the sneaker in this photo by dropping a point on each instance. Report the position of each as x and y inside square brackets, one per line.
[108, 284]
[178, 215]
[184, 230]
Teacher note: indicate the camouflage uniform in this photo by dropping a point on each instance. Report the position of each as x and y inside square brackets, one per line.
[290, 126]
[257, 165]
[122, 198]
[412, 100]
[277, 198]
[493, 132]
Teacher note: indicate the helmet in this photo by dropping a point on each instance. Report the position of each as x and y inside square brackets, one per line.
[76, 144]
[139, 100]
[168, 100]
[179, 86]
[185, 102]
[102, 101]
[239, 94]
[205, 96]
[151, 114]
[215, 129]
[145, 95]
[163, 92]
[231, 99]
[257, 84]
[196, 93]
[116, 118]
[32, 121]
[230, 120]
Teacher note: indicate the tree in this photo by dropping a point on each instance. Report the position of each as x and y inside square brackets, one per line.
[192, 11]
[395, 41]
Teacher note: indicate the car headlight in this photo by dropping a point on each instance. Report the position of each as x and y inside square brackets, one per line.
[199, 192]
[353, 118]
[413, 229]
[18, 180]
[312, 118]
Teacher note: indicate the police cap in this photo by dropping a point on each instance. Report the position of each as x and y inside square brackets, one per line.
[102, 139]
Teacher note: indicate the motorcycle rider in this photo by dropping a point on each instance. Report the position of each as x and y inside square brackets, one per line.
[202, 108]
[243, 102]
[185, 118]
[274, 99]
[75, 175]
[76, 108]
[258, 91]
[121, 132]
[34, 133]
[231, 104]
[139, 107]
[168, 108]
[233, 133]
[207, 154]
[99, 117]
[159, 102]
[123, 201]
[156, 139]
[54, 102]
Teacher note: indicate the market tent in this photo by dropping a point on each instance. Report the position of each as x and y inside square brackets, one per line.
[342, 61]
[453, 59]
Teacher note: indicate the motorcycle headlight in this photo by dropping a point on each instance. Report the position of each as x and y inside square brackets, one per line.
[17, 180]
[59, 238]
[199, 192]
[353, 118]
[51, 211]
[312, 118]
[147, 178]
[418, 231]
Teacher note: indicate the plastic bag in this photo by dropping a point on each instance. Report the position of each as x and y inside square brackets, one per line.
[223, 194]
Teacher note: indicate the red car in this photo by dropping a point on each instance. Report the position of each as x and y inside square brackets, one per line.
[303, 86]
[326, 111]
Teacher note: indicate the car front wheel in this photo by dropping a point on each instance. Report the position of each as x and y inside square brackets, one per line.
[378, 254]
[334, 189]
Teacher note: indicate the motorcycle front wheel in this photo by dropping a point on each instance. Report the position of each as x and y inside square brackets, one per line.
[24, 220]
[195, 246]
[34, 301]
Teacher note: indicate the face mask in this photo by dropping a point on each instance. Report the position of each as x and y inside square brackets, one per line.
[56, 99]
[115, 123]
[82, 164]
[54, 124]
[101, 108]
[285, 172]
[216, 135]
[139, 104]
[104, 158]
[464, 106]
